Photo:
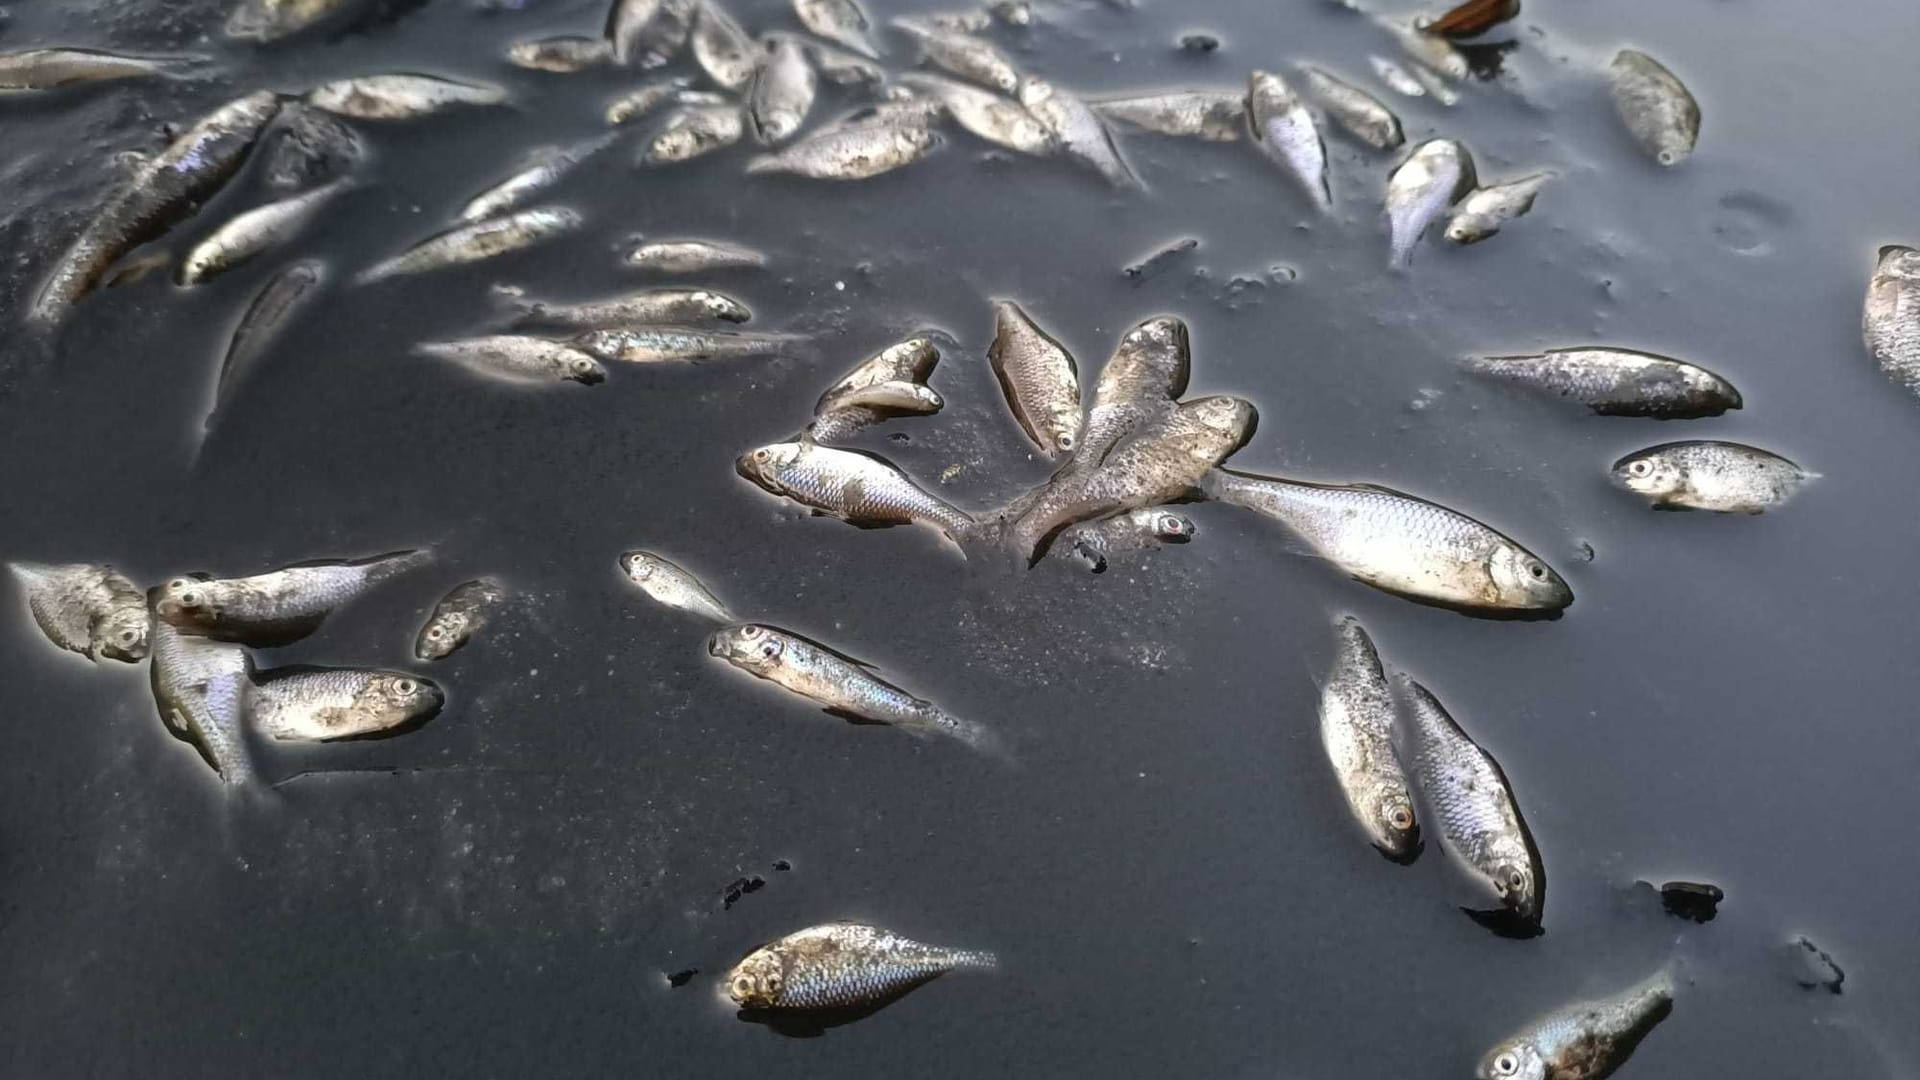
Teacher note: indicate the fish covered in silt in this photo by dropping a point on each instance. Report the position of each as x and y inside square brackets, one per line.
[400, 97]
[1585, 1041]
[841, 965]
[200, 688]
[321, 704]
[960, 54]
[1472, 802]
[1401, 543]
[1357, 112]
[480, 240]
[721, 47]
[1213, 115]
[1140, 529]
[1356, 729]
[1730, 478]
[86, 608]
[545, 169]
[277, 302]
[278, 607]
[695, 131]
[271, 20]
[45, 69]
[1617, 382]
[162, 191]
[843, 21]
[252, 232]
[1285, 130]
[891, 383]
[670, 584]
[1421, 190]
[857, 487]
[782, 92]
[465, 611]
[562, 55]
[1891, 322]
[857, 150]
[671, 344]
[519, 359]
[649, 33]
[1484, 210]
[1039, 378]
[308, 148]
[1656, 106]
[1077, 130]
[693, 256]
[985, 114]
[846, 687]
[652, 307]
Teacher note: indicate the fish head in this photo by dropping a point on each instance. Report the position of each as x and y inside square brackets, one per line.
[1155, 357]
[1517, 888]
[765, 465]
[1031, 91]
[1522, 581]
[639, 565]
[122, 634]
[1705, 388]
[724, 308]
[1649, 472]
[1395, 827]
[584, 370]
[758, 981]
[747, 645]
[399, 698]
[1469, 229]
[1172, 528]
[1516, 1059]
[1900, 262]
[443, 633]
[188, 602]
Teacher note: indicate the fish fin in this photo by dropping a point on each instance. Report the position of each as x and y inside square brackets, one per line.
[1385, 490]
[852, 717]
[831, 651]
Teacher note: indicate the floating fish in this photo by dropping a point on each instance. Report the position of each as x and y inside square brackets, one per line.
[479, 240]
[46, 69]
[200, 688]
[1587, 1041]
[670, 584]
[967, 57]
[852, 151]
[782, 92]
[987, 115]
[841, 21]
[275, 608]
[1397, 78]
[1145, 376]
[674, 344]
[652, 307]
[859, 488]
[322, 704]
[1356, 728]
[650, 33]
[1429, 50]
[519, 359]
[85, 608]
[252, 232]
[635, 104]
[841, 965]
[545, 169]
[277, 302]
[465, 611]
[1039, 378]
[1656, 107]
[890, 383]
[563, 55]
[695, 131]
[1421, 190]
[840, 67]
[1890, 323]
[1359, 113]
[1284, 129]
[400, 97]
[1730, 478]
[1617, 382]
[723, 50]
[1140, 529]
[1079, 132]
[693, 256]
[271, 20]
[1213, 115]
[1484, 210]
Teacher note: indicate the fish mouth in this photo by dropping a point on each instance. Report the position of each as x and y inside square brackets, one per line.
[716, 644]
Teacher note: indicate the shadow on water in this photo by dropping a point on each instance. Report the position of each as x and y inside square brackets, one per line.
[813, 1023]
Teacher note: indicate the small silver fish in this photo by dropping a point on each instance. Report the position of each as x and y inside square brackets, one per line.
[309, 148]
[855, 487]
[1730, 478]
[200, 689]
[1039, 379]
[960, 54]
[1656, 107]
[782, 92]
[635, 104]
[518, 359]
[847, 687]
[465, 611]
[1356, 728]
[1213, 115]
[276, 304]
[319, 705]
[840, 965]
[652, 307]
[1359, 113]
[1617, 382]
[892, 382]
[271, 20]
[479, 240]
[986, 114]
[400, 97]
[841, 21]
[1397, 78]
[1586, 1041]
[1140, 529]
[1284, 129]
[1078, 130]
[1473, 802]
[544, 169]
[1483, 211]
[649, 33]
[1422, 188]
[693, 256]
[1890, 322]
[674, 344]
[46, 69]
[252, 232]
[85, 608]
[562, 55]
[1430, 50]
[722, 49]
[670, 584]
[693, 132]
[275, 608]
[852, 151]
[1146, 374]
[1400, 543]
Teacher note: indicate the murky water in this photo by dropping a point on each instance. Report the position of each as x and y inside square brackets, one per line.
[1168, 875]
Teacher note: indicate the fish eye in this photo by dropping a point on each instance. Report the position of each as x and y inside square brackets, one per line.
[1538, 570]
[1640, 468]
[189, 598]
[1515, 881]
[436, 633]
[742, 987]
[1665, 157]
[406, 686]
[770, 650]
[178, 583]
[1066, 442]
[1506, 1065]
[749, 632]
[129, 636]
[583, 366]
[762, 455]
[1401, 818]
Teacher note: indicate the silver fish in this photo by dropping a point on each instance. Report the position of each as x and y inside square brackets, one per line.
[479, 240]
[668, 583]
[84, 608]
[845, 686]
[562, 55]
[271, 20]
[465, 611]
[1356, 728]
[1213, 115]
[1400, 543]
[277, 302]
[163, 190]
[1362, 115]
[842, 68]
[693, 256]
[635, 104]
[987, 115]
[853, 151]
[1430, 50]
[841, 21]
[1078, 130]
[400, 97]
[1656, 107]
[1435, 86]
[856, 487]
[892, 382]
[692, 132]
[322, 704]
[652, 307]
[840, 965]
[649, 33]
[1730, 478]
[1617, 382]
[200, 688]
[1284, 129]
[309, 148]
[545, 169]
[45, 69]
[968, 57]
[1140, 529]
[1039, 378]
[274, 608]
[1422, 188]
[673, 344]
[1146, 374]
[1473, 803]
[1397, 78]
[252, 232]
[723, 50]
[1890, 322]
[1482, 212]
[1586, 1041]
[782, 92]
[518, 359]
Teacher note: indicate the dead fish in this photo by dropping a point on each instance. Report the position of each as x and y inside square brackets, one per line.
[1356, 729]
[1586, 1041]
[841, 21]
[1431, 179]
[1012, 12]
[1655, 105]
[1039, 379]
[853, 151]
[85, 608]
[782, 92]
[200, 688]
[1146, 374]
[1141, 529]
[692, 132]
[722, 49]
[649, 33]
[635, 104]
[518, 359]
[162, 191]
[841, 965]
[1617, 382]
[1213, 115]
[987, 115]
[562, 55]
[400, 97]
[45, 69]
[546, 168]
[675, 344]
[1890, 322]
[479, 240]
[653, 307]
[1470, 19]
[1397, 78]
[1160, 259]
[322, 704]
[847, 687]
[858, 488]
[465, 611]
[1359, 113]
[252, 232]
[892, 382]
[1484, 210]
[275, 608]
[271, 20]
[1435, 86]
[967, 57]
[1430, 50]
[309, 148]
[840, 67]
[1285, 130]
[693, 256]
[668, 583]
[1724, 477]
[1078, 130]
[277, 302]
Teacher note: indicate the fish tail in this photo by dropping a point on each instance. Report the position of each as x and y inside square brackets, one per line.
[973, 959]
[765, 163]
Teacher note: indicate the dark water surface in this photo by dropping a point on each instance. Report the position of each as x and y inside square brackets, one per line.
[1169, 874]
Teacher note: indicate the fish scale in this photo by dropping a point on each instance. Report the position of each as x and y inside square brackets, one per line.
[859, 487]
[337, 703]
[1356, 730]
[1890, 323]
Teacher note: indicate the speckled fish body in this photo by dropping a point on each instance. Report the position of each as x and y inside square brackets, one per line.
[1657, 108]
[693, 256]
[841, 965]
[1890, 323]
[842, 21]
[854, 486]
[1356, 729]
[1213, 115]
[1728, 478]
[1421, 190]
[1617, 382]
[1586, 1041]
[890, 383]
[86, 608]
[319, 705]
[675, 344]
[782, 92]
[480, 240]
[962, 55]
[668, 583]
[252, 232]
[200, 688]
[1358, 113]
[1141, 529]
[518, 358]
[562, 55]
[695, 131]
[400, 97]
[1285, 130]
[987, 115]
[274, 608]
[1039, 378]
[1484, 210]
[465, 611]
[859, 150]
